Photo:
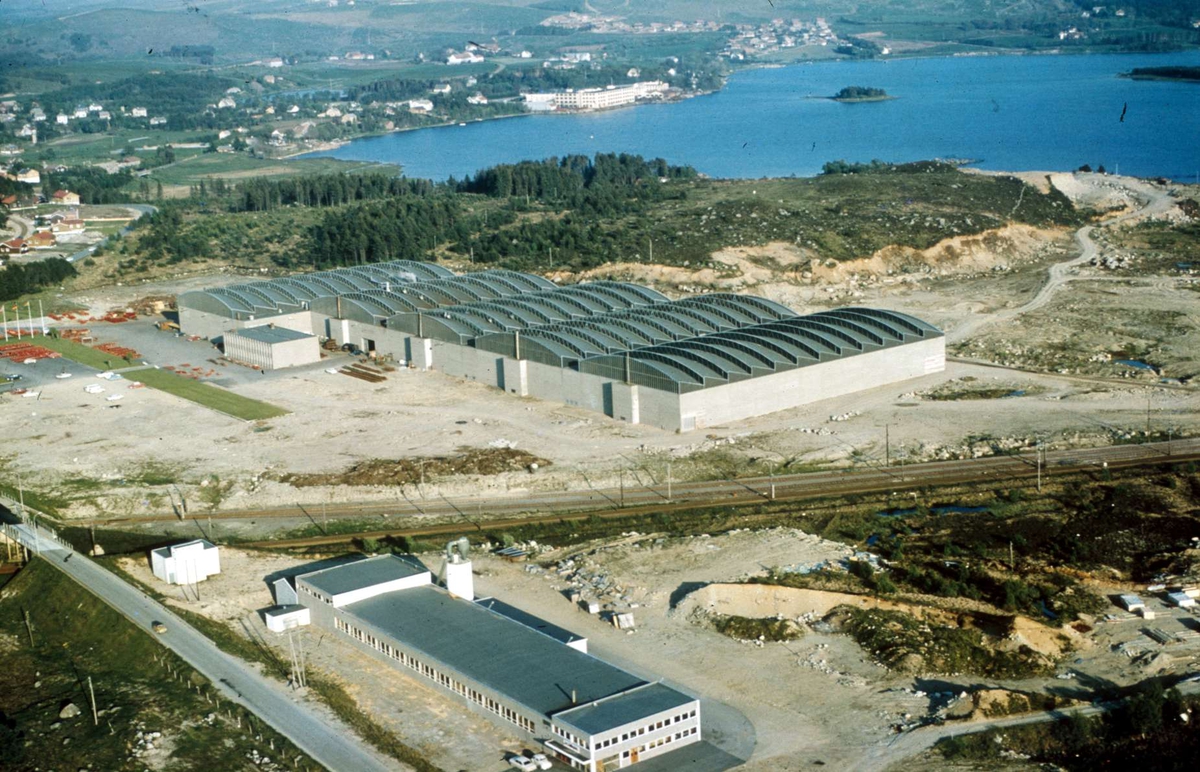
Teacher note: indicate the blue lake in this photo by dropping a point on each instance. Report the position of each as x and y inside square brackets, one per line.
[1008, 112]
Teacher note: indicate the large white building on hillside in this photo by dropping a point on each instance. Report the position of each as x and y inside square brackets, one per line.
[620, 349]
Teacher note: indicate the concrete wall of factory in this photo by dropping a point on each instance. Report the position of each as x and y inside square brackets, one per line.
[640, 404]
[214, 326]
[772, 393]
[204, 324]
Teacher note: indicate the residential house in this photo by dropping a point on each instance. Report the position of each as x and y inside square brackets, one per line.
[68, 225]
[464, 58]
[65, 197]
[80, 112]
[43, 240]
[293, 109]
[14, 247]
[62, 119]
[441, 88]
[226, 102]
[275, 62]
[30, 176]
[138, 112]
[37, 115]
[104, 115]
[26, 131]
[420, 105]
[477, 99]
[159, 120]
[95, 107]
[349, 118]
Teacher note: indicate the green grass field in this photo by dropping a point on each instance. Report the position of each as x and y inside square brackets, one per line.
[185, 388]
[138, 684]
[240, 166]
[209, 396]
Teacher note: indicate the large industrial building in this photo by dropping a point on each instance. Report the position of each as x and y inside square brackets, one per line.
[533, 678]
[621, 349]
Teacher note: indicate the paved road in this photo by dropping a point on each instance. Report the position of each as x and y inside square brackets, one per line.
[1156, 201]
[139, 209]
[323, 739]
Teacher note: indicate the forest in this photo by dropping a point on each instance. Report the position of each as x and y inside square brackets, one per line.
[21, 279]
[93, 184]
[577, 213]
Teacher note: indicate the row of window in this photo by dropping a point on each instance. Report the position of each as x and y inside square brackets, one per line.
[578, 742]
[317, 595]
[666, 740]
[648, 728]
[412, 662]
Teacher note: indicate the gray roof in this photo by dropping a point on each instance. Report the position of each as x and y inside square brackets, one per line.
[736, 351]
[362, 573]
[279, 611]
[271, 334]
[505, 656]
[622, 709]
[561, 634]
[295, 293]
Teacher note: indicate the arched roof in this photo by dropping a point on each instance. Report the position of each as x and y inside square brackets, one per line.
[557, 305]
[294, 293]
[730, 355]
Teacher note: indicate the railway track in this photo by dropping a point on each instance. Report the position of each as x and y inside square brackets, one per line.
[652, 498]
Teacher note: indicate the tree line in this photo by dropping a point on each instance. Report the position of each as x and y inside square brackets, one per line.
[22, 278]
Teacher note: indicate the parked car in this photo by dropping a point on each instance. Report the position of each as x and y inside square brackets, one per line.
[10, 377]
[521, 763]
[541, 761]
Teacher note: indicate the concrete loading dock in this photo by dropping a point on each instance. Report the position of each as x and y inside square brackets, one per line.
[620, 349]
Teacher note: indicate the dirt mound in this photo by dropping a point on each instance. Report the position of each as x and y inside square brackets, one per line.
[409, 471]
[994, 703]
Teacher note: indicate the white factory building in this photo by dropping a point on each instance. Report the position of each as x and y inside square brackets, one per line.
[620, 349]
[187, 563]
[529, 676]
[595, 98]
[270, 347]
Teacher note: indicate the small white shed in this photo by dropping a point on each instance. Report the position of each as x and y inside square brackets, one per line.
[283, 618]
[186, 563]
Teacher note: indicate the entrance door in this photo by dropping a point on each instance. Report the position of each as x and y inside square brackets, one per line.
[633, 755]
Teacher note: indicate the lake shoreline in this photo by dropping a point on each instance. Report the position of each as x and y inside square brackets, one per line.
[765, 121]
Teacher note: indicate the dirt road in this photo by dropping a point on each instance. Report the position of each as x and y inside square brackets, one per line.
[1155, 201]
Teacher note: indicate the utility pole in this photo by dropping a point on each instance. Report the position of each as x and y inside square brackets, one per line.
[668, 482]
[622, 489]
[1040, 452]
[1147, 419]
[92, 694]
[887, 445]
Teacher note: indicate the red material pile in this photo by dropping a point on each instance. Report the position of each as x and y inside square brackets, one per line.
[118, 351]
[19, 352]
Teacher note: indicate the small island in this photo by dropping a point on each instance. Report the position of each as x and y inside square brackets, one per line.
[1186, 74]
[861, 94]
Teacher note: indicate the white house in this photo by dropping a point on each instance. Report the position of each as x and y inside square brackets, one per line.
[187, 563]
[226, 102]
[62, 119]
[138, 112]
[477, 99]
[420, 105]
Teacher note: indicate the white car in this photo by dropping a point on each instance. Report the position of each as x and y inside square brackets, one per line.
[541, 761]
[522, 763]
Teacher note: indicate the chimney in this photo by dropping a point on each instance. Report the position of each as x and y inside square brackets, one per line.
[456, 572]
